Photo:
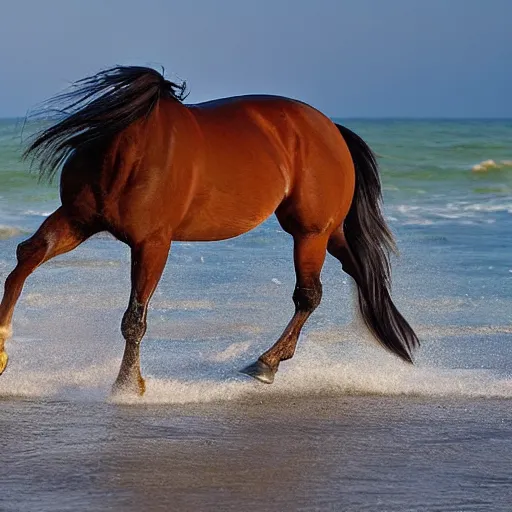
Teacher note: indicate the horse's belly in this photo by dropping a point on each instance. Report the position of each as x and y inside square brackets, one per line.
[227, 214]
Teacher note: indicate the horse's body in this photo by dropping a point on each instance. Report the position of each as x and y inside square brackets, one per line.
[147, 168]
[216, 170]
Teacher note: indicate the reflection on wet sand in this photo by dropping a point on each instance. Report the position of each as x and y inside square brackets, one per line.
[352, 453]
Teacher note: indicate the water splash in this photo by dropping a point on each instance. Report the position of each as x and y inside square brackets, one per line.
[316, 370]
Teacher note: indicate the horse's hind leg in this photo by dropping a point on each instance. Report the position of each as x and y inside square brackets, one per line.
[148, 262]
[56, 235]
[309, 256]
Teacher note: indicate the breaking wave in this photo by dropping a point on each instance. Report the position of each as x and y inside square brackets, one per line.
[7, 232]
[487, 165]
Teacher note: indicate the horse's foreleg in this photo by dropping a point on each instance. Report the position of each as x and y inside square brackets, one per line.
[309, 256]
[148, 262]
[56, 235]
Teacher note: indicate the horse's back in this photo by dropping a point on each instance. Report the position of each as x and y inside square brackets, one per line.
[275, 152]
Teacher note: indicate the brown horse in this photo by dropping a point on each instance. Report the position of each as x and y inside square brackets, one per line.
[139, 163]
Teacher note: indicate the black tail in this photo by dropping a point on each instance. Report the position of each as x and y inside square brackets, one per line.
[97, 107]
[369, 244]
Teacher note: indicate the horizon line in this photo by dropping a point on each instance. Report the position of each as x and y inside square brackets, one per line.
[360, 118]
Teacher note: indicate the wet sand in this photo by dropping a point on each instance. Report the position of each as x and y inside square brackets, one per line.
[317, 453]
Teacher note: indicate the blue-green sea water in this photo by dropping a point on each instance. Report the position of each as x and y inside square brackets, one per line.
[345, 426]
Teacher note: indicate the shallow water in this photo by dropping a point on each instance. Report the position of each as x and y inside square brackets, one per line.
[345, 426]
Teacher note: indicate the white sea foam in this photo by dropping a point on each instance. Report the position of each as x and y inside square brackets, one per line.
[68, 382]
[455, 211]
[7, 232]
[487, 165]
[339, 380]
[366, 370]
[306, 376]
[37, 213]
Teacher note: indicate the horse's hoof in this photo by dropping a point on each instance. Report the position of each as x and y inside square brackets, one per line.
[126, 387]
[260, 371]
[4, 359]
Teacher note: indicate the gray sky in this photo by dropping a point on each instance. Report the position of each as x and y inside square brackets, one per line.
[350, 58]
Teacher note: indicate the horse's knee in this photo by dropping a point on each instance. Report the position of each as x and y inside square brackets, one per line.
[28, 249]
[22, 250]
[308, 299]
[35, 247]
[133, 326]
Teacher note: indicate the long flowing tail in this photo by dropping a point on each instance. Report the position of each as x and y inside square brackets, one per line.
[97, 107]
[365, 249]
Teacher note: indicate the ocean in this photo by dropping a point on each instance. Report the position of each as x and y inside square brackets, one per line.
[345, 426]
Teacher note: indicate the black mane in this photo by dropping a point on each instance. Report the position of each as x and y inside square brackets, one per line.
[97, 107]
